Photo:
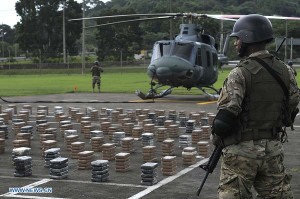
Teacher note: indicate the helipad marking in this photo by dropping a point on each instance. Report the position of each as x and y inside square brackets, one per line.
[167, 180]
[43, 181]
[90, 182]
[105, 183]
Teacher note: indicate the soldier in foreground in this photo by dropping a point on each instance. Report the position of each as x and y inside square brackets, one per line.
[258, 100]
[96, 70]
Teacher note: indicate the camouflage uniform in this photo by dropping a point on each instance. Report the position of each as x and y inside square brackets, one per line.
[96, 74]
[252, 163]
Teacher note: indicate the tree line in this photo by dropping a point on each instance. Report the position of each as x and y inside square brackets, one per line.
[39, 33]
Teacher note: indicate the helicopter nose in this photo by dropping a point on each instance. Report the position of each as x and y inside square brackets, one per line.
[163, 71]
[158, 70]
[170, 67]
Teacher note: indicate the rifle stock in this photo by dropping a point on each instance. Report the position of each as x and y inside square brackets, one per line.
[211, 165]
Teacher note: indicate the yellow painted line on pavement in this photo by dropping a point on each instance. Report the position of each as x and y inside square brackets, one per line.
[204, 103]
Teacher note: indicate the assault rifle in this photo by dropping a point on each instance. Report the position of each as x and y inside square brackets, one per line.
[211, 165]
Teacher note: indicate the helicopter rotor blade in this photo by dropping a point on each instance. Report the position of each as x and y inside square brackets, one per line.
[130, 15]
[284, 18]
[235, 17]
[133, 20]
[191, 15]
[221, 17]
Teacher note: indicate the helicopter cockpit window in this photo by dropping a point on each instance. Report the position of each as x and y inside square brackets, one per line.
[161, 49]
[185, 31]
[183, 50]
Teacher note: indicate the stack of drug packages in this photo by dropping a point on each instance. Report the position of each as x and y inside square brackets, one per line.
[2, 145]
[18, 142]
[161, 134]
[149, 173]
[168, 147]
[127, 127]
[203, 148]
[5, 117]
[127, 144]
[59, 168]
[48, 144]
[51, 131]
[65, 125]
[105, 127]
[122, 162]
[23, 166]
[87, 131]
[27, 129]
[169, 165]
[84, 160]
[70, 137]
[117, 137]
[97, 140]
[206, 132]
[23, 136]
[100, 171]
[173, 130]
[20, 151]
[196, 135]
[51, 154]
[137, 132]
[45, 137]
[190, 126]
[189, 155]
[112, 130]
[149, 154]
[76, 147]
[4, 129]
[108, 151]
[147, 139]
[185, 141]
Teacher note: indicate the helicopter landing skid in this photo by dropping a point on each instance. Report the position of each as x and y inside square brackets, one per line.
[152, 94]
[209, 94]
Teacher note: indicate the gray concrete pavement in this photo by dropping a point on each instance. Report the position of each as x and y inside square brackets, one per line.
[182, 185]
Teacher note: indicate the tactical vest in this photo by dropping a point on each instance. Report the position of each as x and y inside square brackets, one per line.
[263, 105]
[95, 71]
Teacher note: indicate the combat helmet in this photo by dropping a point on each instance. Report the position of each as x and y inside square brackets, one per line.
[96, 63]
[253, 28]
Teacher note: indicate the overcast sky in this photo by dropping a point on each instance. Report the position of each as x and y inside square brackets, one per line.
[8, 14]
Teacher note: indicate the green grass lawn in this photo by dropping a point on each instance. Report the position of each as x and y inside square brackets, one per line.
[112, 82]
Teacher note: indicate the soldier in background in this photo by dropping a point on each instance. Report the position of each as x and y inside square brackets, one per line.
[252, 115]
[96, 70]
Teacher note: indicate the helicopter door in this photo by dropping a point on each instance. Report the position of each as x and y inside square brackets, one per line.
[198, 60]
[208, 58]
